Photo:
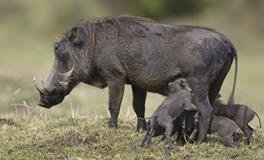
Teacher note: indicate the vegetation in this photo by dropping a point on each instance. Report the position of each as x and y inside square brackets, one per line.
[72, 138]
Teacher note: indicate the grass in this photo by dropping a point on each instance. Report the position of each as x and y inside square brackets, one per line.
[36, 137]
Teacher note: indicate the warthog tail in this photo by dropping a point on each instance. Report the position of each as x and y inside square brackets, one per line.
[258, 119]
[231, 97]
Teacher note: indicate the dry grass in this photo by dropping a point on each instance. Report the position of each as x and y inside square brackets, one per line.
[73, 138]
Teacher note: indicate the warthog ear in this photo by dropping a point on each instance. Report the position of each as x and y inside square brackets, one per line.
[77, 36]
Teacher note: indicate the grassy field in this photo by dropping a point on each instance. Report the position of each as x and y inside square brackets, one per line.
[77, 128]
[73, 138]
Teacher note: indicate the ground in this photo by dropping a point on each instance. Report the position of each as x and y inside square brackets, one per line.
[32, 137]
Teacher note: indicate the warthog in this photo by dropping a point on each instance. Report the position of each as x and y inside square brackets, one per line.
[114, 51]
[225, 129]
[178, 101]
[239, 113]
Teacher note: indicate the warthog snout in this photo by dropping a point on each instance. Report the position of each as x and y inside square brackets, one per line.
[49, 97]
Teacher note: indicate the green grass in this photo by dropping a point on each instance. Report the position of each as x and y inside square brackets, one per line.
[44, 137]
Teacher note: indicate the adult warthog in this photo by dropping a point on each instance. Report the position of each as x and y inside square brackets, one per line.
[114, 51]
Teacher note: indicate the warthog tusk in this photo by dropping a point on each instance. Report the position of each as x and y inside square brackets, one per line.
[68, 74]
[63, 84]
[41, 91]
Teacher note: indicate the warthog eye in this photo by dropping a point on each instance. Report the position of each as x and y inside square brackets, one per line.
[78, 45]
[62, 56]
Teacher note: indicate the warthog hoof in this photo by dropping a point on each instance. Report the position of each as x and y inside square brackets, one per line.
[141, 125]
[112, 124]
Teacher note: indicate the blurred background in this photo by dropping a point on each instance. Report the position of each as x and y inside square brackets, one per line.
[29, 28]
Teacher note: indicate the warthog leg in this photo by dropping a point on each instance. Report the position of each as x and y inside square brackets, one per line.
[205, 114]
[168, 132]
[139, 98]
[147, 139]
[116, 92]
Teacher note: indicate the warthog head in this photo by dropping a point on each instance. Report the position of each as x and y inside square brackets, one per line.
[179, 84]
[71, 66]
